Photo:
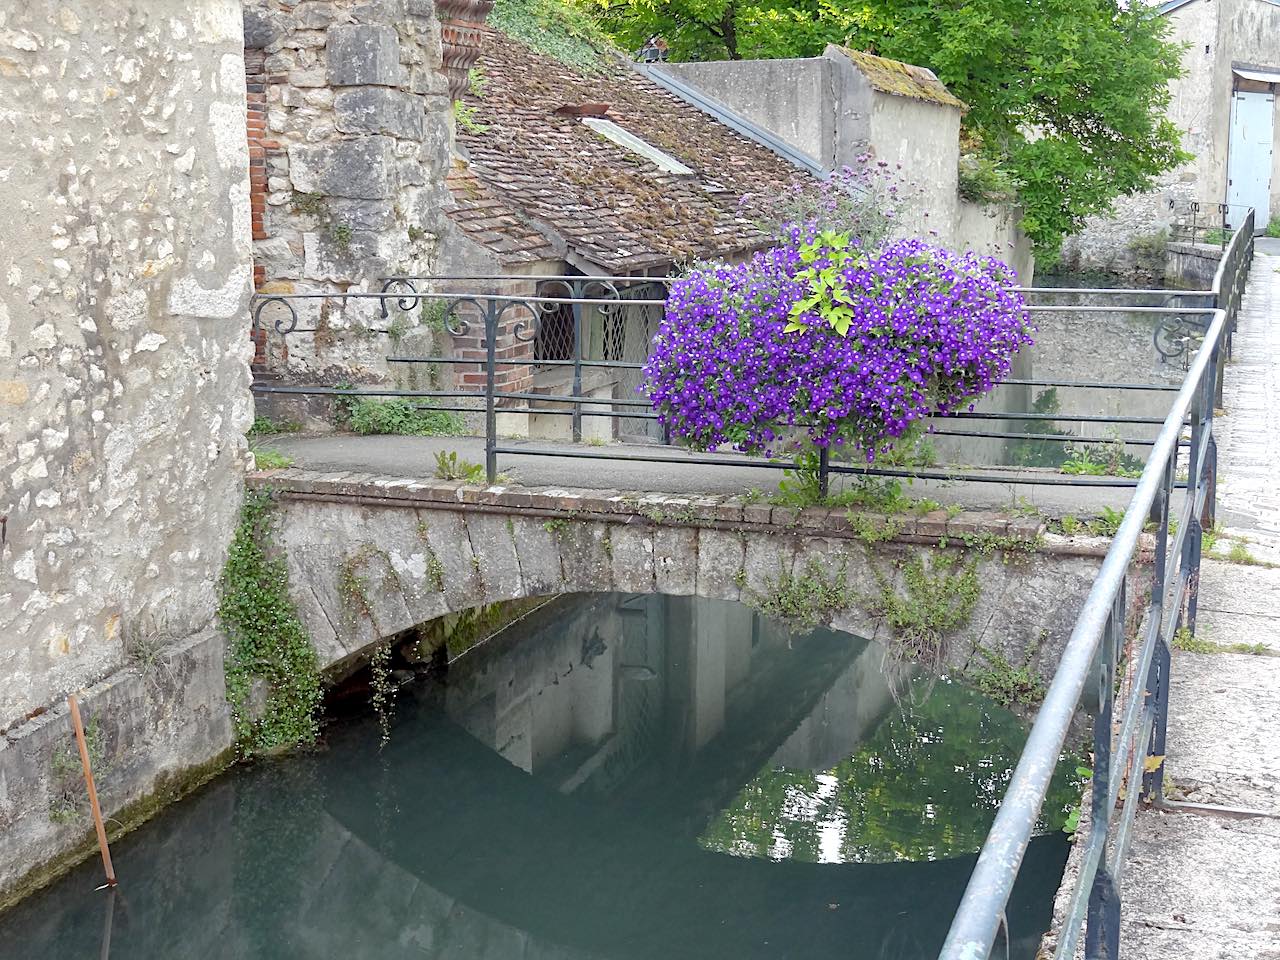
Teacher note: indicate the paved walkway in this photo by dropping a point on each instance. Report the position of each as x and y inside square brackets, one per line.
[1209, 886]
[415, 456]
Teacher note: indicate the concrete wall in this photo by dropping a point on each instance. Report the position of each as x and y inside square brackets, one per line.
[825, 107]
[924, 139]
[125, 265]
[789, 98]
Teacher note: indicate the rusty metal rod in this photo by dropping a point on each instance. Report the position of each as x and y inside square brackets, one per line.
[93, 792]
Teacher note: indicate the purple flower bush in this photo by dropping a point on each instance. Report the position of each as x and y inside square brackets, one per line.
[820, 335]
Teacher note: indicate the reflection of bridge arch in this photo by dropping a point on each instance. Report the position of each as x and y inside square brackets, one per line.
[481, 831]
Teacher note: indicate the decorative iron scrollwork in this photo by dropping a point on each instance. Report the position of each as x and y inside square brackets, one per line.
[1178, 336]
[284, 324]
[405, 302]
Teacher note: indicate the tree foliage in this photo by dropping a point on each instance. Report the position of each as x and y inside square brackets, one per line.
[1067, 96]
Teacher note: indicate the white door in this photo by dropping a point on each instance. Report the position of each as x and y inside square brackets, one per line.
[1249, 157]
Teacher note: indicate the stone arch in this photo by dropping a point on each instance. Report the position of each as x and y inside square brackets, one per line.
[363, 571]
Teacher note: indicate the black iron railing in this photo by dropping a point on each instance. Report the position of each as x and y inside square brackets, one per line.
[548, 331]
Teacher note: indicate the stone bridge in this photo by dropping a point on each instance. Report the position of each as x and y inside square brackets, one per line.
[370, 557]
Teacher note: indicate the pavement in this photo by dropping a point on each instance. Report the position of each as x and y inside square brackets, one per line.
[1201, 886]
[614, 467]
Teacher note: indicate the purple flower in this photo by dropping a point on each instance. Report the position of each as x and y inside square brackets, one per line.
[931, 331]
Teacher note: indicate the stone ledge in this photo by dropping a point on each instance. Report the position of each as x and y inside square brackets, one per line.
[667, 509]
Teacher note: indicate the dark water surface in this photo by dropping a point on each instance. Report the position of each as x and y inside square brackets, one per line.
[615, 776]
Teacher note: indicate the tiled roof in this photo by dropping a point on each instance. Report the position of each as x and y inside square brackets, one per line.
[903, 79]
[611, 206]
[493, 223]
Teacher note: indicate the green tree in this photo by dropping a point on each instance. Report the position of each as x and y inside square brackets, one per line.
[1067, 96]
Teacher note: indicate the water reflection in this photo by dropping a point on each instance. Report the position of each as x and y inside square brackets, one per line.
[616, 776]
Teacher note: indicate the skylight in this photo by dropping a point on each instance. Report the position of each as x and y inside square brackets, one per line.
[612, 132]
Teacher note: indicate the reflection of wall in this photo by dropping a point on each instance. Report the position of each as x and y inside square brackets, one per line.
[848, 713]
[583, 693]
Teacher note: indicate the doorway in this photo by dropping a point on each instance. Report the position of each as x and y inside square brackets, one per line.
[1249, 157]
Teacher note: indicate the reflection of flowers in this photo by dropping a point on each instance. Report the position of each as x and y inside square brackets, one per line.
[926, 786]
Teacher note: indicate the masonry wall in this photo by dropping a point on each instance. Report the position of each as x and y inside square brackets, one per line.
[1218, 34]
[124, 278]
[352, 138]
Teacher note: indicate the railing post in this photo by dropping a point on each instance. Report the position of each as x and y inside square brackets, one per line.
[1102, 930]
[577, 288]
[490, 406]
[824, 472]
[1156, 682]
[1197, 475]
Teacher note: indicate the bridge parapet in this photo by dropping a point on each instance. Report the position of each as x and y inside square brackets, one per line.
[373, 556]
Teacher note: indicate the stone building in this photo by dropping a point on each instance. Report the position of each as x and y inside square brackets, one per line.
[1225, 104]
[559, 170]
[125, 275]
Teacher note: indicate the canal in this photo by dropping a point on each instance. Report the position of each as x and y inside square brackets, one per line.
[613, 776]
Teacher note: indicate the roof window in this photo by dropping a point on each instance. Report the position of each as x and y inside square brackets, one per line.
[641, 148]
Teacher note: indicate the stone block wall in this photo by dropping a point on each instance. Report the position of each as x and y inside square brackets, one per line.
[352, 131]
[125, 274]
[124, 280]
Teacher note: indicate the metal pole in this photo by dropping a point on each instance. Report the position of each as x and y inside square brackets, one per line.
[577, 366]
[1102, 931]
[92, 790]
[824, 472]
[490, 408]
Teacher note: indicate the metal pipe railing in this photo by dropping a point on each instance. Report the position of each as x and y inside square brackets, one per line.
[1092, 650]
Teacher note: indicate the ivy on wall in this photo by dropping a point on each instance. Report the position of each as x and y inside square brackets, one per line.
[273, 681]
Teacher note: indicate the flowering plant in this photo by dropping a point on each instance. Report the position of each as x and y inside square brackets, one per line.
[869, 200]
[850, 344]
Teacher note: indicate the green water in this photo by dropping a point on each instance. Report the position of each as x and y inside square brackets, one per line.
[614, 776]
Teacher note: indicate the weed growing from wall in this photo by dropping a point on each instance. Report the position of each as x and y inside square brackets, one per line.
[1006, 684]
[70, 796]
[803, 600]
[267, 643]
[935, 600]
[401, 417]
[383, 697]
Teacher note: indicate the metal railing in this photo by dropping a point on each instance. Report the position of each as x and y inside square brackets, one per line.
[505, 332]
[1121, 745]
[503, 328]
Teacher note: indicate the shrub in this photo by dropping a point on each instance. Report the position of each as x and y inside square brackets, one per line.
[398, 415]
[864, 200]
[982, 180]
[824, 337]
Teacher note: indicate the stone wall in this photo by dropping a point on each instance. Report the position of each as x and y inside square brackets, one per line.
[430, 548]
[123, 333]
[356, 147]
[124, 278]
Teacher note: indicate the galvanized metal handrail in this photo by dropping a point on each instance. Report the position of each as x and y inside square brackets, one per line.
[1091, 653]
